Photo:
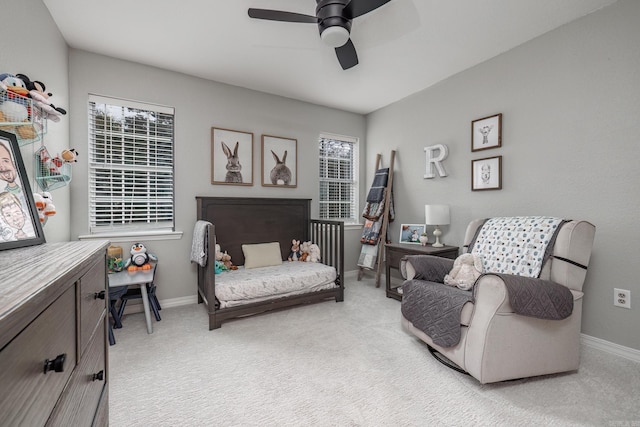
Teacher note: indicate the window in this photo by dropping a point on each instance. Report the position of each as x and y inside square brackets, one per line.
[338, 178]
[130, 166]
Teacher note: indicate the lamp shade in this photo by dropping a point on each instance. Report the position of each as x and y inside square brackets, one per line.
[436, 214]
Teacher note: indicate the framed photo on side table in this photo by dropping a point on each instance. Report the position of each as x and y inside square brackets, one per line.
[410, 233]
[231, 157]
[19, 222]
[486, 174]
[486, 133]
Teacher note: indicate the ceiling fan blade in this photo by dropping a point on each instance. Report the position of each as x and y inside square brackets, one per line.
[347, 55]
[278, 15]
[359, 7]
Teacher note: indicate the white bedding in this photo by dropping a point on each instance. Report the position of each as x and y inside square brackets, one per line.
[243, 285]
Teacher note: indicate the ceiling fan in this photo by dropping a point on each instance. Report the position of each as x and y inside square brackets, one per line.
[334, 23]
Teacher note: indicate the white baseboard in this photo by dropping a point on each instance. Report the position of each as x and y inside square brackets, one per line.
[136, 307]
[351, 274]
[177, 302]
[613, 348]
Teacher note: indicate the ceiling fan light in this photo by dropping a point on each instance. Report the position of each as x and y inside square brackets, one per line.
[335, 36]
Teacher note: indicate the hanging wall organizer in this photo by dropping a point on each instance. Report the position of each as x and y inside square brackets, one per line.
[50, 173]
[19, 115]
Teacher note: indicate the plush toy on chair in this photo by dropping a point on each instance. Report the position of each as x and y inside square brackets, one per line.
[466, 270]
[139, 259]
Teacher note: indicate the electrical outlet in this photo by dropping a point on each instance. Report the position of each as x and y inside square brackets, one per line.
[621, 298]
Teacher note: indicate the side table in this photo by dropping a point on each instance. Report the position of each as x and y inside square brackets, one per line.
[136, 278]
[395, 251]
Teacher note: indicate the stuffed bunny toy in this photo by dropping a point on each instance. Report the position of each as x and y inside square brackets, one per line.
[314, 253]
[280, 174]
[233, 164]
[466, 270]
[295, 250]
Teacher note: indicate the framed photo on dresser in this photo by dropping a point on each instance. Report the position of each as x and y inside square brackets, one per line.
[19, 221]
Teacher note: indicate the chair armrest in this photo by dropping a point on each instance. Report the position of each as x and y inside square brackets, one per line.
[544, 299]
[425, 267]
[491, 295]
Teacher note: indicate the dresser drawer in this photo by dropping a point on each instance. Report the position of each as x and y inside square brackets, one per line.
[102, 414]
[28, 395]
[80, 399]
[91, 308]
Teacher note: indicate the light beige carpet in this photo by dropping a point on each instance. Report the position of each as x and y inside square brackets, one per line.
[338, 364]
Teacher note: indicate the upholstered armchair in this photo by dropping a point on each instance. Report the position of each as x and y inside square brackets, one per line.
[495, 341]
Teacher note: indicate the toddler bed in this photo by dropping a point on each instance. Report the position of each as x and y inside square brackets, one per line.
[257, 233]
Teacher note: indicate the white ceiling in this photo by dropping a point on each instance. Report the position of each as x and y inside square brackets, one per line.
[403, 47]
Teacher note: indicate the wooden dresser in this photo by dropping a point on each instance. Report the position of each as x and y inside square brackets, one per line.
[53, 335]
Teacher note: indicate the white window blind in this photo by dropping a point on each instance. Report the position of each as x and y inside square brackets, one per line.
[338, 178]
[131, 185]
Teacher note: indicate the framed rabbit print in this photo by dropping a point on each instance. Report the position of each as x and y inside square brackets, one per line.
[279, 162]
[231, 157]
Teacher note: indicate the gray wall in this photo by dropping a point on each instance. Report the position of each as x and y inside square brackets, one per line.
[31, 44]
[201, 104]
[571, 105]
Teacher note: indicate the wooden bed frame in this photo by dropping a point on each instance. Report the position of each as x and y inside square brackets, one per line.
[237, 221]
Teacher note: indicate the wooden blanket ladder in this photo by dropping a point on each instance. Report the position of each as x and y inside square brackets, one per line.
[379, 246]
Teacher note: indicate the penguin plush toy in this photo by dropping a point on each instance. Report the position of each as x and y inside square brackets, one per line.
[139, 259]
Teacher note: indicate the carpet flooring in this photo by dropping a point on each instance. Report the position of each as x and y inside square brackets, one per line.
[338, 364]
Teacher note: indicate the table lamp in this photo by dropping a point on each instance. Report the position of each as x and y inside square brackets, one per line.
[436, 215]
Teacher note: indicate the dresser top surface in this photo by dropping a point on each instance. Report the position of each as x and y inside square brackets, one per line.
[26, 272]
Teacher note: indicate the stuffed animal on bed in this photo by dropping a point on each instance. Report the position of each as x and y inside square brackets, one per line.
[314, 253]
[295, 250]
[466, 270]
[226, 261]
[218, 267]
[304, 251]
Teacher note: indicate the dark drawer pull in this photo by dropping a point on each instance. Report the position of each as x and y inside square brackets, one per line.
[99, 295]
[98, 377]
[56, 365]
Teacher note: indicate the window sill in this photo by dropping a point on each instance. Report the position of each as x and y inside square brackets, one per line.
[353, 226]
[129, 236]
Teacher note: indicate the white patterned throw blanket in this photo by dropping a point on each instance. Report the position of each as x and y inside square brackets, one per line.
[516, 245]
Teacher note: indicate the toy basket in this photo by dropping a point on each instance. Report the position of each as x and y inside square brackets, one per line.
[50, 173]
[19, 115]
